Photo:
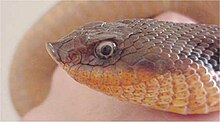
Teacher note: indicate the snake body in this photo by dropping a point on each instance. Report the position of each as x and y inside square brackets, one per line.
[30, 73]
[161, 65]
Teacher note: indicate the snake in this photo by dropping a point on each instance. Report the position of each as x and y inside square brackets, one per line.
[32, 67]
[161, 65]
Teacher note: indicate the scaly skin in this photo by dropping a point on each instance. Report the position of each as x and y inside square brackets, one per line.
[161, 65]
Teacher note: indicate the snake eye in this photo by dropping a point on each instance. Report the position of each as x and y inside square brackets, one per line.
[105, 49]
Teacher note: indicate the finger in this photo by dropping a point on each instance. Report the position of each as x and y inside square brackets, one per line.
[174, 17]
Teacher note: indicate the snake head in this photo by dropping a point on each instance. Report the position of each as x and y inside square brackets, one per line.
[95, 44]
[106, 53]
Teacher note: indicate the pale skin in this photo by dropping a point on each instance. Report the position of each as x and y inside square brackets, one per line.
[70, 100]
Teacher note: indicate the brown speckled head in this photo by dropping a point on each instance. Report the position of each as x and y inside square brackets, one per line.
[162, 65]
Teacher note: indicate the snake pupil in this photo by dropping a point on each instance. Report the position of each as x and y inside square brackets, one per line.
[106, 50]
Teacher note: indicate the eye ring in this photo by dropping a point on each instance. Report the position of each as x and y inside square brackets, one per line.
[105, 49]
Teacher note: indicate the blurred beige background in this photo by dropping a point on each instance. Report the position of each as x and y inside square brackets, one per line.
[16, 19]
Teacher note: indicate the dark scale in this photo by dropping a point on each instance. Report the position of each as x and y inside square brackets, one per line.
[215, 60]
[205, 50]
[209, 57]
[208, 60]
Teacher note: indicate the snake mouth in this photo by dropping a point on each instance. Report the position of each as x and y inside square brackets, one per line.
[52, 49]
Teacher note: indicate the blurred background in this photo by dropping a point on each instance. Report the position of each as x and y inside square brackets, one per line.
[16, 19]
